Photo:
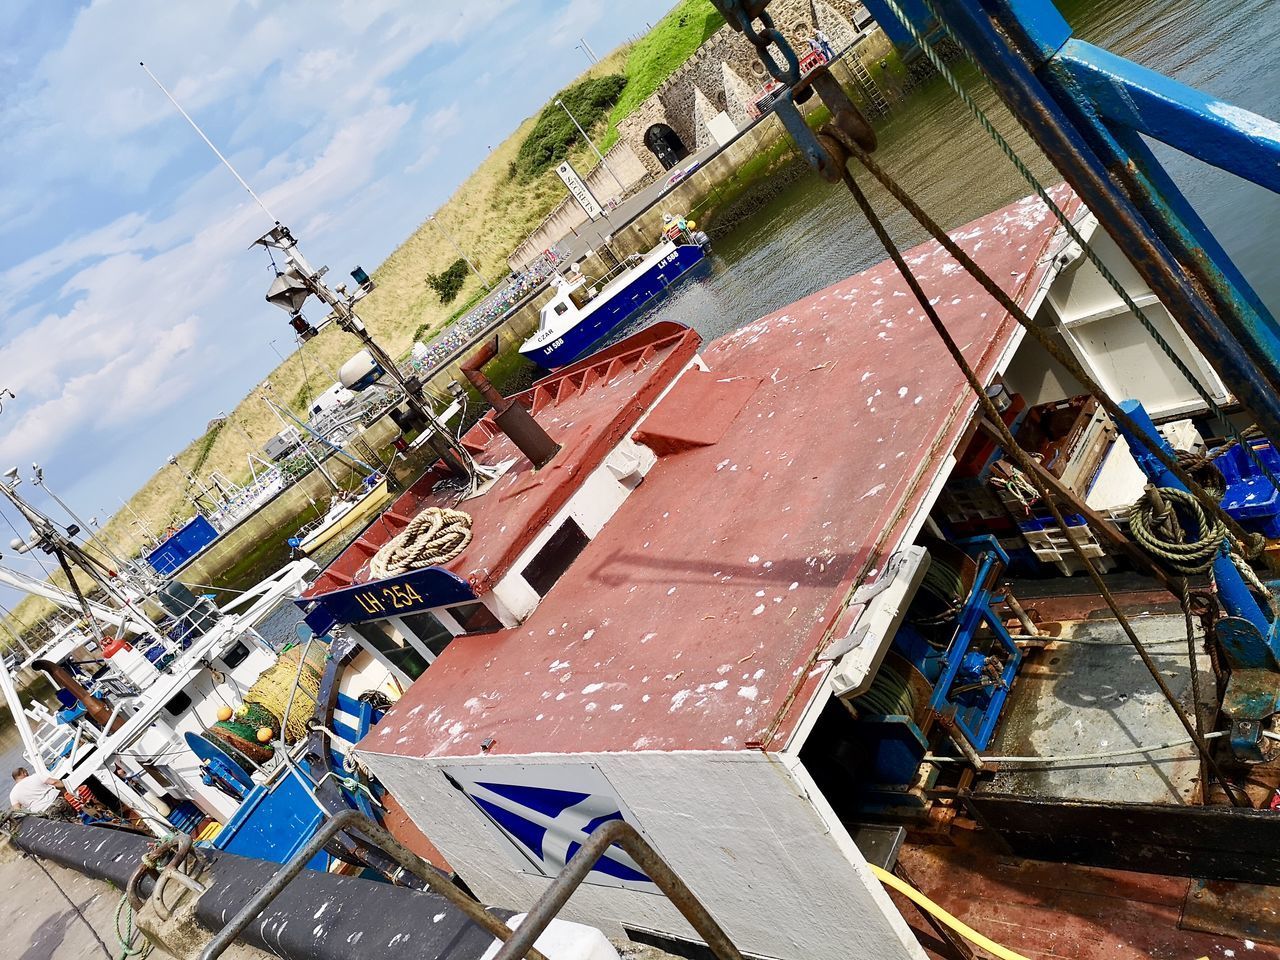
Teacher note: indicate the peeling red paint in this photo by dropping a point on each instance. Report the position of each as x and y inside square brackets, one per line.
[694, 618]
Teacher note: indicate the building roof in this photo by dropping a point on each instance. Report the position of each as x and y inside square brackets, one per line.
[787, 474]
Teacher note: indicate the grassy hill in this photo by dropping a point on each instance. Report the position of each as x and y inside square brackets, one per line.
[658, 54]
[489, 213]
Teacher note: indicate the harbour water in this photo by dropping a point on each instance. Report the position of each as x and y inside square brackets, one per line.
[811, 234]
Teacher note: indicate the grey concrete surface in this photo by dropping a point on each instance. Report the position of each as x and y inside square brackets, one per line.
[51, 913]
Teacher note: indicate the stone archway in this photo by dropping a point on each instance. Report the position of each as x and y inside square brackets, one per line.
[665, 144]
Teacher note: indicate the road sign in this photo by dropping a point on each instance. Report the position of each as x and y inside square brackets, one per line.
[580, 191]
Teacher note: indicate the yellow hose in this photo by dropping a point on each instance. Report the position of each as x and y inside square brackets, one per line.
[966, 931]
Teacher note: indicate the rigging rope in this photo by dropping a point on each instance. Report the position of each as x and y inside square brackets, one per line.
[1021, 458]
[1250, 541]
[434, 536]
[985, 122]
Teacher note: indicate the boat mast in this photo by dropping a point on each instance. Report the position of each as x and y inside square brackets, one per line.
[305, 448]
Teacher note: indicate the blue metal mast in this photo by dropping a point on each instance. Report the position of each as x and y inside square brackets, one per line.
[1088, 110]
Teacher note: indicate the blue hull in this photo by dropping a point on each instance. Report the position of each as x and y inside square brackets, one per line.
[622, 306]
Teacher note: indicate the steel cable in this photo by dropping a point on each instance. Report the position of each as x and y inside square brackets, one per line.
[1007, 149]
[1251, 544]
[1021, 458]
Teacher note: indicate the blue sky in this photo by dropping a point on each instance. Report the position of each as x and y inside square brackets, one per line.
[133, 310]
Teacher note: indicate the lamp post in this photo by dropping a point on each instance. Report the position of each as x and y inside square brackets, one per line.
[299, 280]
[603, 163]
[586, 48]
[454, 243]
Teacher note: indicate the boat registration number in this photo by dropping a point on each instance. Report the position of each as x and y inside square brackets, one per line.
[396, 596]
[669, 258]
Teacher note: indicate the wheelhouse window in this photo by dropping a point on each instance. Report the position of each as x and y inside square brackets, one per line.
[400, 655]
[433, 634]
[474, 618]
[555, 557]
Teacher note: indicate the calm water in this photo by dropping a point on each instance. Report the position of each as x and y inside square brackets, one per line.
[812, 235]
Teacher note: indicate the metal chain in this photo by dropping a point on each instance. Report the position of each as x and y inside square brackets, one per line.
[985, 122]
[1022, 458]
[742, 19]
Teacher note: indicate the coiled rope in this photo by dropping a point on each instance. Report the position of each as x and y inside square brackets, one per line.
[434, 536]
[1188, 557]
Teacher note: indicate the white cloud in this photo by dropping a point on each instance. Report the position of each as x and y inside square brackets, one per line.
[133, 302]
[574, 21]
[138, 311]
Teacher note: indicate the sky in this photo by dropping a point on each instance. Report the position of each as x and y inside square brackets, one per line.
[133, 310]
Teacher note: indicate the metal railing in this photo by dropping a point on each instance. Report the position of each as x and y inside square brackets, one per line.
[356, 822]
[520, 942]
[623, 835]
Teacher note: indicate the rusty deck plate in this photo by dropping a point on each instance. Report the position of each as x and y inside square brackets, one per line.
[1248, 911]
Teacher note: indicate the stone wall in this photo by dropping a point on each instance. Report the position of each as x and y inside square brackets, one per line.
[726, 71]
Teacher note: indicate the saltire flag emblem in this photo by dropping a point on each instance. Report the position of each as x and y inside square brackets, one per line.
[549, 825]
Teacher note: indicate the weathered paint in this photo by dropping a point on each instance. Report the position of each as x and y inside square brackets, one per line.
[737, 828]
[684, 639]
[693, 619]
[508, 517]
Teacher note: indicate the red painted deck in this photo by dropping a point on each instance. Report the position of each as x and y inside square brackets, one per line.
[569, 406]
[1053, 911]
[694, 619]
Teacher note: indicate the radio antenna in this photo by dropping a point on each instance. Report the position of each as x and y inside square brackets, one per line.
[218, 153]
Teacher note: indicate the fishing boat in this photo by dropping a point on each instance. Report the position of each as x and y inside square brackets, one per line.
[346, 513]
[868, 619]
[584, 311]
[779, 639]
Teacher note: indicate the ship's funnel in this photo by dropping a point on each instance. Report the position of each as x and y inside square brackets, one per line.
[510, 416]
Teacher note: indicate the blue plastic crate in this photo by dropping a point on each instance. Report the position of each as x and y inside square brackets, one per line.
[1251, 498]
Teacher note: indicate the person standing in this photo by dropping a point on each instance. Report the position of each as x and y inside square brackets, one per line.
[824, 42]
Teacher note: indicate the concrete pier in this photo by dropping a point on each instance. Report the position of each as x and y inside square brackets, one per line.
[50, 913]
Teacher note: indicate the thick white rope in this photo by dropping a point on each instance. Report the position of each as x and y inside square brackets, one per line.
[434, 536]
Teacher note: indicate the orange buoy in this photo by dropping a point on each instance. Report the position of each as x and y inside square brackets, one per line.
[265, 734]
[224, 713]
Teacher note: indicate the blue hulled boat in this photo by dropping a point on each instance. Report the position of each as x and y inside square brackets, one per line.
[585, 311]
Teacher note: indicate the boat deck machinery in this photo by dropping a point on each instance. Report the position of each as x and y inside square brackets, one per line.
[886, 557]
[926, 591]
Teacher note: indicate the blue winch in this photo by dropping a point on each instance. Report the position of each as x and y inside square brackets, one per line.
[952, 664]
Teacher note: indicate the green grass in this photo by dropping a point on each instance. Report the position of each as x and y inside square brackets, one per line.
[659, 53]
[589, 101]
[204, 445]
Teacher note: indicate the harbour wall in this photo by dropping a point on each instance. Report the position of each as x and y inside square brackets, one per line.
[568, 215]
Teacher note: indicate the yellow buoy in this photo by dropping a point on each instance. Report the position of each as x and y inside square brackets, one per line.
[224, 713]
[265, 734]
[692, 225]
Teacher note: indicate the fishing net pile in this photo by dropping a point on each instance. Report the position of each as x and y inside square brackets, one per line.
[268, 700]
